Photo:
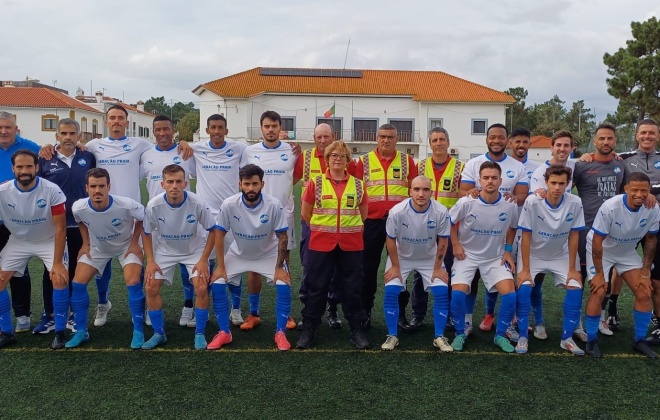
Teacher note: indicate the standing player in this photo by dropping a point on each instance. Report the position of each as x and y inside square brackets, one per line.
[621, 222]
[258, 222]
[33, 210]
[484, 242]
[110, 226]
[417, 232]
[181, 220]
[152, 163]
[549, 242]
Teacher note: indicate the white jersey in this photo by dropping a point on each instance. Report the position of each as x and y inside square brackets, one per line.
[217, 171]
[154, 160]
[530, 166]
[278, 164]
[27, 214]
[623, 226]
[513, 172]
[550, 226]
[538, 177]
[121, 158]
[415, 232]
[483, 226]
[110, 229]
[255, 227]
[182, 230]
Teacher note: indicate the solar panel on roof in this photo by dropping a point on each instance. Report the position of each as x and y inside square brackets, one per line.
[272, 71]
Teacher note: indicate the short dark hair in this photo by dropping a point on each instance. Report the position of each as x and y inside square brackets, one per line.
[248, 171]
[163, 118]
[173, 169]
[638, 177]
[521, 131]
[97, 173]
[558, 170]
[271, 115]
[387, 127]
[605, 126]
[490, 165]
[121, 108]
[216, 117]
[26, 152]
[498, 125]
[646, 121]
[561, 133]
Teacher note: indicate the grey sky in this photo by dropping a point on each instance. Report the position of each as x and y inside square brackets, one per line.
[140, 49]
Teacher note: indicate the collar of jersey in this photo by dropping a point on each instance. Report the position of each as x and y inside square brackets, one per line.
[27, 191]
[217, 148]
[166, 150]
[499, 197]
[261, 199]
[493, 160]
[625, 203]
[263, 143]
[558, 205]
[418, 212]
[89, 200]
[185, 197]
[119, 139]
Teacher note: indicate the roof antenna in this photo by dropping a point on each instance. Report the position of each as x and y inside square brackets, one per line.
[346, 57]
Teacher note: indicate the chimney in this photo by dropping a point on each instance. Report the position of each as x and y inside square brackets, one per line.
[99, 96]
[140, 106]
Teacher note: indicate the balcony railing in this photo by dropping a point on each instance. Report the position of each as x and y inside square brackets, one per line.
[307, 134]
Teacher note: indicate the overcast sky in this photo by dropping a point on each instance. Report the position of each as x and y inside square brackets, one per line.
[139, 49]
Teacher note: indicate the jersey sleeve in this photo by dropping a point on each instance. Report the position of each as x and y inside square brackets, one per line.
[137, 210]
[244, 159]
[280, 224]
[192, 166]
[443, 225]
[76, 209]
[457, 212]
[144, 145]
[602, 222]
[468, 175]
[92, 146]
[149, 222]
[537, 181]
[522, 177]
[56, 196]
[524, 221]
[391, 226]
[578, 222]
[206, 217]
[513, 216]
[222, 219]
[654, 220]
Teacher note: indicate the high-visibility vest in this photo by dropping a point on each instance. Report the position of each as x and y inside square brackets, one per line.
[390, 186]
[445, 189]
[311, 167]
[332, 215]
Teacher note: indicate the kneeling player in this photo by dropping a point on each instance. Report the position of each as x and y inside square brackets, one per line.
[181, 220]
[110, 226]
[546, 224]
[478, 238]
[621, 222]
[413, 227]
[260, 245]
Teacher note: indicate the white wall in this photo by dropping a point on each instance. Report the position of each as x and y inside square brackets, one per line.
[29, 124]
[539, 154]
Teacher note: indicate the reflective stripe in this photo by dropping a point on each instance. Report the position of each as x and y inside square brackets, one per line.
[444, 197]
[382, 186]
[333, 215]
[310, 162]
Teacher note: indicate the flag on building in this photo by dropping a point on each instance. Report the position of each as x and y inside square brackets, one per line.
[329, 113]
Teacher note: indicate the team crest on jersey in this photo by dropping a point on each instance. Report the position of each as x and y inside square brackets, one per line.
[230, 152]
[284, 157]
[570, 217]
[396, 173]
[656, 164]
[264, 218]
[430, 224]
[116, 222]
[177, 160]
[617, 170]
[529, 174]
[41, 203]
[191, 218]
[502, 217]
[350, 200]
[643, 222]
[510, 174]
[82, 162]
[446, 184]
[127, 148]
[592, 270]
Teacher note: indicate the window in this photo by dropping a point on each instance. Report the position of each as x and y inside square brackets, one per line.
[83, 124]
[49, 122]
[146, 132]
[479, 126]
[288, 131]
[335, 123]
[95, 128]
[365, 130]
[435, 122]
[404, 129]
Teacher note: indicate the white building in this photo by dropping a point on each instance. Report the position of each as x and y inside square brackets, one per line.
[140, 122]
[540, 148]
[356, 103]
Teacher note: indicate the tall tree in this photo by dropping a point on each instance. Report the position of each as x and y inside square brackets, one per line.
[179, 110]
[549, 116]
[635, 72]
[188, 125]
[519, 115]
[157, 105]
[581, 122]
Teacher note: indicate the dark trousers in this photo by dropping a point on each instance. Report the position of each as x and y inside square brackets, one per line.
[347, 267]
[21, 287]
[374, 241]
[73, 245]
[334, 293]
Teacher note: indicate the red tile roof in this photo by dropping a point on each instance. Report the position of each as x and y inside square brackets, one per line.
[32, 97]
[108, 99]
[541, 142]
[427, 86]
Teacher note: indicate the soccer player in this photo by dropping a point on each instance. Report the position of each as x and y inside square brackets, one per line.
[621, 222]
[259, 224]
[514, 186]
[152, 163]
[110, 226]
[549, 242]
[21, 286]
[181, 219]
[520, 142]
[417, 232]
[33, 210]
[484, 242]
[278, 160]
[67, 169]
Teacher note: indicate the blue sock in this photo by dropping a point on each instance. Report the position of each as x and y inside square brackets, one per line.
[522, 308]
[537, 302]
[458, 304]
[80, 305]
[188, 289]
[136, 305]
[440, 309]
[235, 292]
[572, 306]
[103, 283]
[642, 320]
[201, 318]
[157, 321]
[506, 312]
[6, 325]
[591, 324]
[61, 307]
[470, 300]
[491, 301]
[220, 305]
[282, 306]
[254, 299]
[391, 308]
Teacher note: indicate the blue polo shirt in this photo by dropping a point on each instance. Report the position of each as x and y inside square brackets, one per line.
[6, 172]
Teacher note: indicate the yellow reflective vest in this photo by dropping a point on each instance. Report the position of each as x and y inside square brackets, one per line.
[445, 189]
[390, 186]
